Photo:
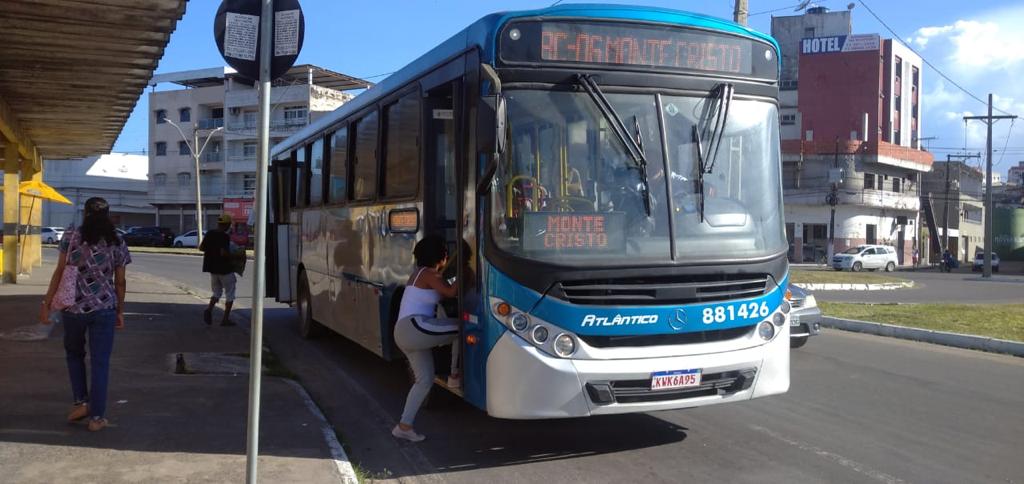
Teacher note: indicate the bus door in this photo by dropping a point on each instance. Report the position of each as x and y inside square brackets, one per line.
[280, 244]
[441, 200]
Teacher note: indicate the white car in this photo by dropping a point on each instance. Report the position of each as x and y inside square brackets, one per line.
[979, 262]
[870, 257]
[188, 239]
[51, 235]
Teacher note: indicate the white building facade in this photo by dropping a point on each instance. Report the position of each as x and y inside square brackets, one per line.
[221, 102]
[118, 177]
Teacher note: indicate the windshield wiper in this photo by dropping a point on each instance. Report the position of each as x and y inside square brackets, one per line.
[714, 126]
[633, 145]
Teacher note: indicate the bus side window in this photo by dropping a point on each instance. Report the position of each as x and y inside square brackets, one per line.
[364, 163]
[338, 171]
[401, 147]
[300, 196]
[316, 173]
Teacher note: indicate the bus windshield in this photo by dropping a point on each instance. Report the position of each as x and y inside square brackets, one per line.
[569, 192]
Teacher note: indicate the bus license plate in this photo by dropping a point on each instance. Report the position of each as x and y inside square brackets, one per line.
[667, 380]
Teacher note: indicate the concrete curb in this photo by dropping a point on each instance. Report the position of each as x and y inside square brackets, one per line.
[966, 341]
[885, 286]
[348, 473]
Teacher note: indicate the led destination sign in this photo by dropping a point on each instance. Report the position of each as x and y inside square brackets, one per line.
[574, 232]
[654, 47]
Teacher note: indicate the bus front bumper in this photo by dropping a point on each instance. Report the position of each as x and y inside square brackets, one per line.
[525, 383]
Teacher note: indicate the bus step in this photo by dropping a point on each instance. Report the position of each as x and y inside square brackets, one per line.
[443, 383]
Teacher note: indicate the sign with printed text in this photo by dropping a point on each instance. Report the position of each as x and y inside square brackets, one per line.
[236, 30]
[574, 232]
[840, 43]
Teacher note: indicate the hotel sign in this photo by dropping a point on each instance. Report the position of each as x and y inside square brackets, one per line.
[840, 43]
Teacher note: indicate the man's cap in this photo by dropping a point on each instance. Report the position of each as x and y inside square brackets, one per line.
[224, 219]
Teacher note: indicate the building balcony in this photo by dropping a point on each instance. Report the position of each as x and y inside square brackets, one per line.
[241, 97]
[278, 127]
[865, 198]
[239, 193]
[240, 164]
[210, 123]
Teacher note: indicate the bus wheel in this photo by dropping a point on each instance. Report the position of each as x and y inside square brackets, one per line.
[308, 327]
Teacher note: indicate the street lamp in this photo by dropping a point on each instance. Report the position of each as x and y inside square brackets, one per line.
[196, 153]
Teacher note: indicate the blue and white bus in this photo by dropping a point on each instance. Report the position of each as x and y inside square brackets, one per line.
[609, 178]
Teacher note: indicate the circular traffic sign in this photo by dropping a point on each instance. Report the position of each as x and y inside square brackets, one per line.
[236, 29]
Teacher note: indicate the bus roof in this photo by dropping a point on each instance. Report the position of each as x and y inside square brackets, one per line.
[482, 34]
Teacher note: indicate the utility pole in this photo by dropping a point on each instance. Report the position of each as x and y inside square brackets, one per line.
[989, 121]
[739, 14]
[196, 152]
[833, 199]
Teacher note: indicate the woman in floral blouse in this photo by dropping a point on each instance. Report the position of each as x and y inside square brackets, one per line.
[98, 255]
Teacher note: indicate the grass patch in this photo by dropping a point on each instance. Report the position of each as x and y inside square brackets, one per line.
[829, 276]
[1003, 321]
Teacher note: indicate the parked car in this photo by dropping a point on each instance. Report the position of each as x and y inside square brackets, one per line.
[51, 235]
[979, 262]
[149, 236]
[805, 319]
[188, 239]
[871, 257]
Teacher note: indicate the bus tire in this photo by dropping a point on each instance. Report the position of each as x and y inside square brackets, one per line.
[308, 327]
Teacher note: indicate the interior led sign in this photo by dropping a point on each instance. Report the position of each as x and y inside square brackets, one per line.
[574, 232]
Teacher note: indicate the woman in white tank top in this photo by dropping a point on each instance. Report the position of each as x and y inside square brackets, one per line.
[418, 330]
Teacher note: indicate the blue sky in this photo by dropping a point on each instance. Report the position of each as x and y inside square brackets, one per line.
[978, 44]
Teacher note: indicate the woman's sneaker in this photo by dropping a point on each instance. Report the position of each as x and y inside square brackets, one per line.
[78, 412]
[97, 424]
[409, 435]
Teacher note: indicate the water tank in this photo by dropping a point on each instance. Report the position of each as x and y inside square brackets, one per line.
[817, 10]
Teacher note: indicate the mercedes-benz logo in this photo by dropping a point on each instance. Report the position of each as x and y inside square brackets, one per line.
[678, 320]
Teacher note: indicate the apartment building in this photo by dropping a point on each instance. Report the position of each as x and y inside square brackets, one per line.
[219, 103]
[958, 206]
[854, 140]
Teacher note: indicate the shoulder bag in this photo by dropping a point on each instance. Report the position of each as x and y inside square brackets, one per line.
[65, 295]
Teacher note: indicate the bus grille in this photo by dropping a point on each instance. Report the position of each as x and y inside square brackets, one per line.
[712, 384]
[662, 290]
[667, 339]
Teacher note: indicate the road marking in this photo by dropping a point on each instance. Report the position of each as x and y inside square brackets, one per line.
[348, 474]
[843, 461]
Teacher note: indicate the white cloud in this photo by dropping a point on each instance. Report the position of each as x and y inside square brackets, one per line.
[991, 44]
[924, 34]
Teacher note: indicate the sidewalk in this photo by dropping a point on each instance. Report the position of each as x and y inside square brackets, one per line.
[166, 427]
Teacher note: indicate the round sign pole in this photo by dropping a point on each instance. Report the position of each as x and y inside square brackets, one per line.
[258, 279]
[261, 39]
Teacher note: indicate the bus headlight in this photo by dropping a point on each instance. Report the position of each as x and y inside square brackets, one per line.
[779, 319]
[564, 345]
[540, 334]
[519, 322]
[766, 330]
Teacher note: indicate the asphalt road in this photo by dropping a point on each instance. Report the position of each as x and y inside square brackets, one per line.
[861, 409]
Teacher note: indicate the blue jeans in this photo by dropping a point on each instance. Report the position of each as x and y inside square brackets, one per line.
[99, 326]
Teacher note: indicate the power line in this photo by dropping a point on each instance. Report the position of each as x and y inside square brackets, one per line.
[778, 9]
[936, 69]
[1003, 152]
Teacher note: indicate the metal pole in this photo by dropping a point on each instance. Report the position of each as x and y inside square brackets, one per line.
[987, 270]
[262, 164]
[199, 195]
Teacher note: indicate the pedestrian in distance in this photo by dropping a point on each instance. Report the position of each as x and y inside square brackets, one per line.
[915, 257]
[217, 260]
[97, 257]
[418, 330]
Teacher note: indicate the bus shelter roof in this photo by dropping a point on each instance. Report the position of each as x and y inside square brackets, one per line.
[71, 71]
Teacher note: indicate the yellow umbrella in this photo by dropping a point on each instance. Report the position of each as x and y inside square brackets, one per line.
[38, 189]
